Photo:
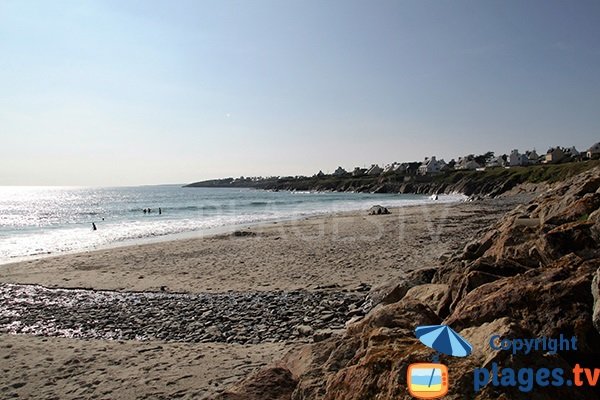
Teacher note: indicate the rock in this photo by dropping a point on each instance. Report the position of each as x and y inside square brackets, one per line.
[395, 290]
[479, 337]
[430, 294]
[322, 334]
[378, 210]
[478, 247]
[214, 331]
[274, 383]
[547, 302]
[304, 330]
[363, 287]
[406, 315]
[571, 237]
[596, 296]
[243, 233]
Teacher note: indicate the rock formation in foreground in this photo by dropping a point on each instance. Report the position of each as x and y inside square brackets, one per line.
[535, 273]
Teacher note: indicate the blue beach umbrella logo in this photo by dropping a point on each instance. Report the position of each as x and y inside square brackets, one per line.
[430, 380]
[443, 339]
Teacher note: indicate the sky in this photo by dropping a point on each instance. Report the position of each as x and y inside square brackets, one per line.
[147, 92]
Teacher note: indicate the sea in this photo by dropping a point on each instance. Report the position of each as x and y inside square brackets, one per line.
[39, 221]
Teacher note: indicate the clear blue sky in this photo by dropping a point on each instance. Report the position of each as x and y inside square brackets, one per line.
[138, 92]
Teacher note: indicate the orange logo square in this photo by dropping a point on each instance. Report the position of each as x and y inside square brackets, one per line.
[427, 380]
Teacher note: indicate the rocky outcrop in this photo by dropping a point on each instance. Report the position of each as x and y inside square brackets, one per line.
[546, 302]
[378, 210]
[535, 273]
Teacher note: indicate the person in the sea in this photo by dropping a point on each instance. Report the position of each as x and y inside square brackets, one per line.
[145, 211]
[159, 210]
[94, 226]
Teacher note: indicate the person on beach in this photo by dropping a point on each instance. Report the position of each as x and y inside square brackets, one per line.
[94, 226]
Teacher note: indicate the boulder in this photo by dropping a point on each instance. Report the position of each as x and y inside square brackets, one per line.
[396, 289]
[274, 383]
[378, 210]
[243, 233]
[405, 315]
[547, 302]
[304, 330]
[429, 294]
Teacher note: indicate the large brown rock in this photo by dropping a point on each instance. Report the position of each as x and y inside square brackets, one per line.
[562, 221]
[547, 302]
[396, 289]
[274, 383]
[430, 294]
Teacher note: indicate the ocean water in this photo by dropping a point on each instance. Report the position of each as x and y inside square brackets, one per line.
[38, 221]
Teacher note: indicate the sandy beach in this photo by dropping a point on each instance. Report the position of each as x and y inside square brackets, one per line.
[350, 252]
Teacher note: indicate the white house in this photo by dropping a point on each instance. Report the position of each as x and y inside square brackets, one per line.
[431, 166]
[593, 151]
[515, 158]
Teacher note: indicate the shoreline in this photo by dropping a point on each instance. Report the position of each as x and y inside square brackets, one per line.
[213, 231]
[274, 256]
[327, 258]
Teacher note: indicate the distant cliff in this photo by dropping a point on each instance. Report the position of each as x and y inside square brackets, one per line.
[491, 182]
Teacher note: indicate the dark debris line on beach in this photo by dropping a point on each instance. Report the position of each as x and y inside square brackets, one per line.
[235, 317]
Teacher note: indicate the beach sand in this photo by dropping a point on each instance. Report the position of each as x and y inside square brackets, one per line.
[345, 250]
[60, 368]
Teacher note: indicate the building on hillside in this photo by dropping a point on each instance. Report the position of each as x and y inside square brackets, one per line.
[431, 166]
[594, 151]
[571, 152]
[496, 162]
[554, 155]
[393, 167]
[339, 172]
[532, 157]
[320, 173]
[374, 170]
[466, 163]
[358, 171]
[516, 159]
